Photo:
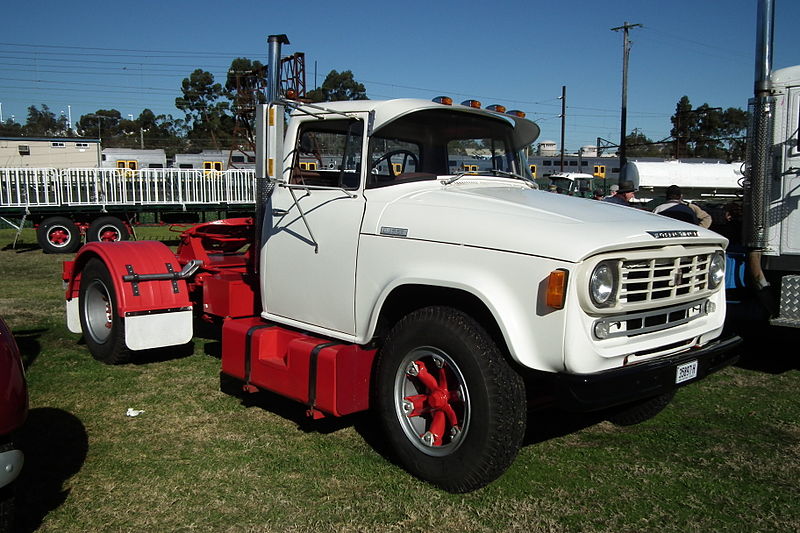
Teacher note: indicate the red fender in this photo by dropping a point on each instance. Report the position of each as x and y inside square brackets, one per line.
[142, 257]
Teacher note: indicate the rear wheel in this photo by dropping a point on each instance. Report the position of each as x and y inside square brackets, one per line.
[58, 235]
[452, 407]
[103, 329]
[107, 229]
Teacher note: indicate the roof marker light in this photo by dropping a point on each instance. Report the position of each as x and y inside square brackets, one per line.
[446, 100]
[517, 113]
[472, 103]
[496, 107]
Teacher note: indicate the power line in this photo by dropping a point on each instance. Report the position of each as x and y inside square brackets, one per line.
[104, 49]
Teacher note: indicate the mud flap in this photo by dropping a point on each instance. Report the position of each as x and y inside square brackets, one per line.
[155, 330]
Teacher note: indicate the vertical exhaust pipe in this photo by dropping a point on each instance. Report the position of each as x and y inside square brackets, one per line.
[759, 145]
[263, 189]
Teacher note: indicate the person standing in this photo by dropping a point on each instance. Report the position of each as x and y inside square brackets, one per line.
[676, 207]
[624, 194]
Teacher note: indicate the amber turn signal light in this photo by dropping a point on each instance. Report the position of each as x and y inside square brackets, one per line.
[557, 289]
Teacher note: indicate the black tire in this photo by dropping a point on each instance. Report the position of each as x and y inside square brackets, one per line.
[103, 329]
[58, 235]
[107, 229]
[463, 387]
[639, 411]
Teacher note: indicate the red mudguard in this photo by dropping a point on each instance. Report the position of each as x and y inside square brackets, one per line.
[133, 257]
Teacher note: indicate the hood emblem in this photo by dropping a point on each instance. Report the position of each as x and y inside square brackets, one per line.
[394, 232]
[671, 234]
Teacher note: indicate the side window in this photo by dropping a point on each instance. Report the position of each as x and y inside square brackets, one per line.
[212, 166]
[128, 165]
[328, 154]
[600, 171]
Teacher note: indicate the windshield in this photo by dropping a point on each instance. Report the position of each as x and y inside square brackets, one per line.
[438, 142]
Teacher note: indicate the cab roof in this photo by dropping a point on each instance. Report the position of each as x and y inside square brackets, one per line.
[387, 111]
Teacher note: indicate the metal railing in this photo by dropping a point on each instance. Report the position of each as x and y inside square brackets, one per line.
[41, 187]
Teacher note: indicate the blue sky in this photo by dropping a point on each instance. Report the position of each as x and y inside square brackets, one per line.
[89, 55]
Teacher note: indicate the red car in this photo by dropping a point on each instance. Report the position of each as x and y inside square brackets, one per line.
[13, 410]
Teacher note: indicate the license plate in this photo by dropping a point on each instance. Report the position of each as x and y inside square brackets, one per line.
[686, 371]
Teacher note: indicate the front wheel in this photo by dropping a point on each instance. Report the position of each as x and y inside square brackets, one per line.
[452, 408]
[103, 329]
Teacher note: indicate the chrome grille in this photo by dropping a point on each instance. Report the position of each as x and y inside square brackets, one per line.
[662, 279]
[632, 324]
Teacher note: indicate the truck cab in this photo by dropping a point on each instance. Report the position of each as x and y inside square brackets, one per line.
[573, 183]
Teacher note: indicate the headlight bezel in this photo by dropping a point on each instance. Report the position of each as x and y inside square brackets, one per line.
[716, 270]
[604, 283]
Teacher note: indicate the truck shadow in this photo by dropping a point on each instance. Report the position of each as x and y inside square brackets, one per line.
[769, 349]
[543, 422]
[288, 409]
[548, 423]
[55, 444]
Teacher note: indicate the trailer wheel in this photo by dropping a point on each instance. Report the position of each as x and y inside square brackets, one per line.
[640, 411]
[107, 229]
[58, 235]
[103, 329]
[452, 408]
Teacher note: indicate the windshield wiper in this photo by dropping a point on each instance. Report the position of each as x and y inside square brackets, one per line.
[495, 172]
[455, 178]
[498, 172]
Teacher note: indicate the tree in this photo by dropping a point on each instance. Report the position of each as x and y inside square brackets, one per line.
[102, 124]
[243, 88]
[207, 115]
[338, 86]
[639, 145]
[708, 131]
[9, 128]
[683, 123]
[44, 123]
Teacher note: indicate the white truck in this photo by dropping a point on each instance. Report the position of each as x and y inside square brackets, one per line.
[772, 187]
[439, 301]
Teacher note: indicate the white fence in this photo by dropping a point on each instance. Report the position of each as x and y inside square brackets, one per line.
[101, 187]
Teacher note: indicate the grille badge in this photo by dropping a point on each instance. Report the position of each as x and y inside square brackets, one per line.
[671, 234]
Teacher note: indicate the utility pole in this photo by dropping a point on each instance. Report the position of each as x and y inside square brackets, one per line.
[626, 49]
[563, 121]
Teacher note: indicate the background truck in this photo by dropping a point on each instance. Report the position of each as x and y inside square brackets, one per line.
[441, 302]
[772, 187]
[102, 204]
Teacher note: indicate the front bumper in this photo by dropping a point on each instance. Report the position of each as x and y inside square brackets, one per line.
[591, 392]
[10, 466]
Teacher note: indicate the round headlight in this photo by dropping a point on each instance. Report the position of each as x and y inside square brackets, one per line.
[716, 270]
[602, 285]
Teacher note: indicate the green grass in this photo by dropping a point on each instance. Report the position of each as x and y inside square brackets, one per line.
[725, 455]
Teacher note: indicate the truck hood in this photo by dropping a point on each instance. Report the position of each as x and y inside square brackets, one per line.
[514, 218]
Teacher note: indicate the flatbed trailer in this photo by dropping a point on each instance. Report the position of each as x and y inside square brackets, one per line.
[102, 204]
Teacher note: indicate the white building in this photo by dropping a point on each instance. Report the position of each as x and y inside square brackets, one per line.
[49, 152]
